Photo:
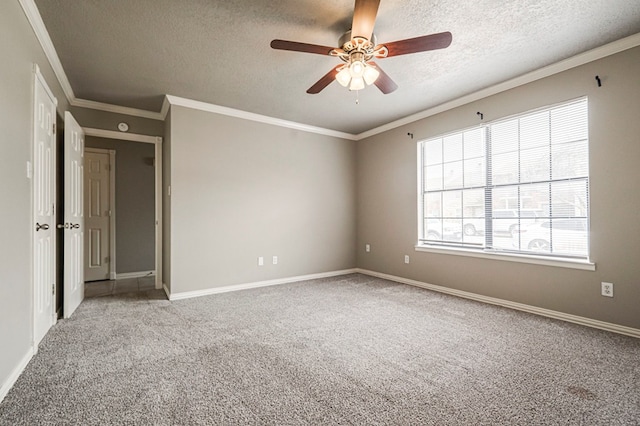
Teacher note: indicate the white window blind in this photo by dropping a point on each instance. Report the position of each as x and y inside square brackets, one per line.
[519, 184]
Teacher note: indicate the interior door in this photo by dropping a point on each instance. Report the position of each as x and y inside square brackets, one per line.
[73, 215]
[43, 210]
[97, 220]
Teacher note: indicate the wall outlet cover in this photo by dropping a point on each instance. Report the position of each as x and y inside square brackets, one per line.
[607, 289]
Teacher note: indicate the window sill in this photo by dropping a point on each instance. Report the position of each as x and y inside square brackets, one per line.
[561, 262]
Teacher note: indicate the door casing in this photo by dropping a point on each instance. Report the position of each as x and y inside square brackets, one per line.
[157, 141]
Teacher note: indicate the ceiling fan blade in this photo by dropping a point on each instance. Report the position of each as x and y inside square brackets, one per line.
[364, 18]
[324, 81]
[301, 47]
[419, 44]
[384, 82]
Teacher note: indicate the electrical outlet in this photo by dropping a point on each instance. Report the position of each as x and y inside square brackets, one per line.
[275, 260]
[607, 289]
[406, 258]
[260, 261]
[367, 248]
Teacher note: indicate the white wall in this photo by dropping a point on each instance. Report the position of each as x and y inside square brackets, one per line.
[242, 189]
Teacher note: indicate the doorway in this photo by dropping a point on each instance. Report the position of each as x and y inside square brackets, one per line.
[135, 248]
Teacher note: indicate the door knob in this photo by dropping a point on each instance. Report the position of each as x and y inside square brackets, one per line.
[43, 227]
[61, 226]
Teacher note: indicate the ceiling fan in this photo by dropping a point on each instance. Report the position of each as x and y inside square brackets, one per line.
[358, 48]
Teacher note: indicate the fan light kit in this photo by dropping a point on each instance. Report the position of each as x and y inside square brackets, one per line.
[359, 48]
[356, 72]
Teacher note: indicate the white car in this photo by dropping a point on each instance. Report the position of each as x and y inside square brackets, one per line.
[438, 231]
[505, 221]
[559, 236]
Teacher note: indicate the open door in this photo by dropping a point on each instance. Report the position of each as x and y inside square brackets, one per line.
[73, 215]
[44, 190]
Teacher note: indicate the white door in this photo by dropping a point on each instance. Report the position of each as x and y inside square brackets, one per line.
[73, 217]
[97, 218]
[44, 144]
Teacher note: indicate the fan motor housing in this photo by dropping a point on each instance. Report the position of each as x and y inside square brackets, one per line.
[348, 45]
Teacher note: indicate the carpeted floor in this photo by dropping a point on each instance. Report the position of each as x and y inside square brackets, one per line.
[346, 350]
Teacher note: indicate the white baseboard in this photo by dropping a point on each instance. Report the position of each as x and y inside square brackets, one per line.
[139, 274]
[237, 287]
[602, 325]
[17, 371]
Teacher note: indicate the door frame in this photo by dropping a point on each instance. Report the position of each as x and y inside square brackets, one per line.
[112, 206]
[157, 142]
[39, 78]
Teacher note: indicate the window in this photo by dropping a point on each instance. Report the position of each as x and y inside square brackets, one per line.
[518, 185]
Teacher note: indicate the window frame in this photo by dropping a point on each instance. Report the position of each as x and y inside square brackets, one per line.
[467, 249]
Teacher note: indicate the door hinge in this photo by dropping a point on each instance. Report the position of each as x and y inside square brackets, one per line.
[54, 128]
[53, 288]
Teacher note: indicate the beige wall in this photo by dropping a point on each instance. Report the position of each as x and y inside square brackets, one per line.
[19, 50]
[97, 119]
[387, 192]
[242, 189]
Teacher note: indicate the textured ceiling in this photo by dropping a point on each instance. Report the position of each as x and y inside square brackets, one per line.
[133, 52]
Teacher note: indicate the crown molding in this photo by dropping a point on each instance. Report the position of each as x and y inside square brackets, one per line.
[203, 106]
[33, 15]
[165, 107]
[101, 106]
[573, 62]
